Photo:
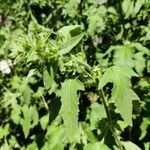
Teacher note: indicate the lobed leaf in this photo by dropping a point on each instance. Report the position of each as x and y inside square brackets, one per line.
[69, 108]
[122, 93]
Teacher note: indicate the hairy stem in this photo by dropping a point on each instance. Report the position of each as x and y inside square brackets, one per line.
[103, 98]
[116, 138]
[101, 93]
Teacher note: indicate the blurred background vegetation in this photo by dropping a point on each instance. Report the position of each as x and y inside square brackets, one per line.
[115, 32]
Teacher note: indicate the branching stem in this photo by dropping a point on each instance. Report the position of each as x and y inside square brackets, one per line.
[103, 98]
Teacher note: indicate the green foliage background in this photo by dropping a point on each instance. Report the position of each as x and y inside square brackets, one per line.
[79, 74]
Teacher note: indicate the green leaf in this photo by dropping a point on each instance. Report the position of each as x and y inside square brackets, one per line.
[131, 8]
[34, 115]
[32, 146]
[65, 31]
[123, 56]
[47, 79]
[67, 47]
[122, 125]
[127, 55]
[147, 146]
[40, 92]
[144, 127]
[97, 113]
[139, 62]
[130, 146]
[15, 114]
[4, 131]
[140, 48]
[31, 73]
[96, 21]
[44, 121]
[5, 146]
[89, 135]
[122, 93]
[128, 7]
[26, 121]
[69, 108]
[58, 146]
[138, 5]
[55, 137]
[96, 146]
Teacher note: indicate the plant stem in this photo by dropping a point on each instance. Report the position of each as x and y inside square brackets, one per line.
[101, 93]
[116, 138]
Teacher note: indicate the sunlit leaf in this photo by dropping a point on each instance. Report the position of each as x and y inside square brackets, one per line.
[129, 145]
[44, 121]
[26, 120]
[69, 108]
[122, 93]
[96, 146]
[67, 47]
